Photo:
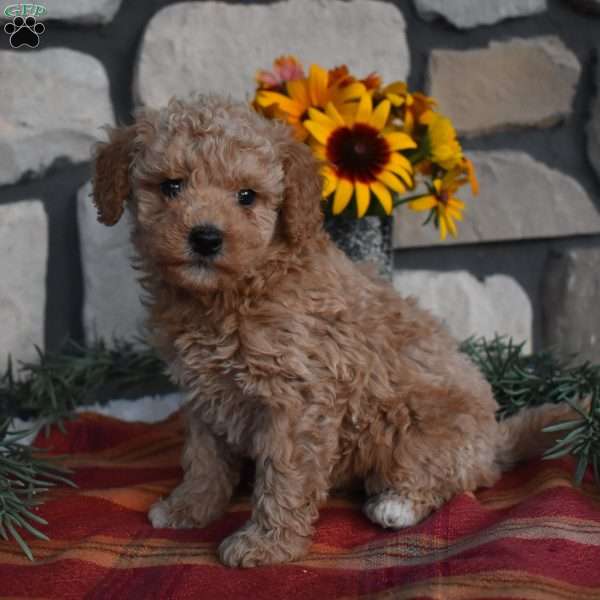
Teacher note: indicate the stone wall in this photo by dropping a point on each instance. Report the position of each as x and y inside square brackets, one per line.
[518, 77]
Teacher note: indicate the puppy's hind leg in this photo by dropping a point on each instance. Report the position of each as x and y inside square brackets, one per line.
[210, 476]
[391, 510]
[446, 448]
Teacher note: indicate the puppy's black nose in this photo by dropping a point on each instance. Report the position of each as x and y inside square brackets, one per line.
[205, 240]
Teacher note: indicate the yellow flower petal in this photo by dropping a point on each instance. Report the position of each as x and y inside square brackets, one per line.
[455, 202]
[318, 150]
[399, 160]
[391, 181]
[443, 226]
[402, 173]
[318, 117]
[343, 193]
[283, 102]
[395, 99]
[383, 195]
[396, 87]
[450, 224]
[454, 214]
[330, 180]
[472, 176]
[364, 110]
[380, 115]
[319, 131]
[317, 85]
[347, 112]
[334, 115]
[423, 203]
[399, 141]
[297, 91]
[363, 195]
[409, 121]
[351, 91]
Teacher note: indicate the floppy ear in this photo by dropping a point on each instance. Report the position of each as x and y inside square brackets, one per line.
[301, 212]
[111, 179]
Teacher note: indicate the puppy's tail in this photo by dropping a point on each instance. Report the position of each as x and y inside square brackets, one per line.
[521, 436]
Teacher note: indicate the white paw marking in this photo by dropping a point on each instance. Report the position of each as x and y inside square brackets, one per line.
[391, 511]
[159, 515]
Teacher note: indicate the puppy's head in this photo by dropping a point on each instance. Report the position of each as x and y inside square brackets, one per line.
[214, 190]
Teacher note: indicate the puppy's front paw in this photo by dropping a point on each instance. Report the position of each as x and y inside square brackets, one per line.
[252, 546]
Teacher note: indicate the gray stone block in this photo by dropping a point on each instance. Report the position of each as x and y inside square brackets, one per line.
[471, 13]
[53, 103]
[520, 198]
[468, 307]
[24, 251]
[519, 83]
[571, 304]
[218, 47]
[111, 304]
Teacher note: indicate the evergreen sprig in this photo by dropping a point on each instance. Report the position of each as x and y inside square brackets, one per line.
[24, 477]
[50, 390]
[519, 380]
[59, 382]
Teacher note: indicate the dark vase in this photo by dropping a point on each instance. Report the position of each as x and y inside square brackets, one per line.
[364, 240]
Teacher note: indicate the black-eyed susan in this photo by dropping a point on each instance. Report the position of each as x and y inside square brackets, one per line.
[361, 155]
[441, 200]
[302, 94]
[444, 148]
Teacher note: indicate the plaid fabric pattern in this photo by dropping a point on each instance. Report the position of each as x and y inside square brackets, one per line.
[532, 536]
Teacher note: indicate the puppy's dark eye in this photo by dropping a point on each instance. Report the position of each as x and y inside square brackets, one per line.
[171, 187]
[246, 197]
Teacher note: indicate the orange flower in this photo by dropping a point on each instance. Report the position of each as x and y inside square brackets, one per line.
[417, 107]
[285, 68]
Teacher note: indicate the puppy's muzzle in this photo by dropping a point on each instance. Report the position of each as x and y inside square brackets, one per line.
[205, 240]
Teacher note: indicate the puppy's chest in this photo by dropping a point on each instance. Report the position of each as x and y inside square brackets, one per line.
[208, 369]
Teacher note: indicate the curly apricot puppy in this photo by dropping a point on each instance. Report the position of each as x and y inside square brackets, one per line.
[289, 353]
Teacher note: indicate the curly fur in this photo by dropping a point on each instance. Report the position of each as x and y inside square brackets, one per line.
[290, 354]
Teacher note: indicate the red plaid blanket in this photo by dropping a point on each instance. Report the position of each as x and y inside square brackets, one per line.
[533, 536]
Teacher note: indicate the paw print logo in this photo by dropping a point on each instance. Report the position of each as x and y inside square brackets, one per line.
[24, 32]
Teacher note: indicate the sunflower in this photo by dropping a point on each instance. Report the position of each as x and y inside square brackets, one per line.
[301, 94]
[442, 202]
[445, 150]
[361, 155]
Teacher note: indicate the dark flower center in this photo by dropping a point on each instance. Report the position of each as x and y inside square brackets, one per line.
[359, 153]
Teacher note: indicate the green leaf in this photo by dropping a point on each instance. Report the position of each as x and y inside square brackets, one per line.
[556, 453]
[23, 523]
[563, 426]
[582, 464]
[22, 543]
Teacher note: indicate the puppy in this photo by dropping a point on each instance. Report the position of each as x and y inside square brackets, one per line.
[289, 353]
